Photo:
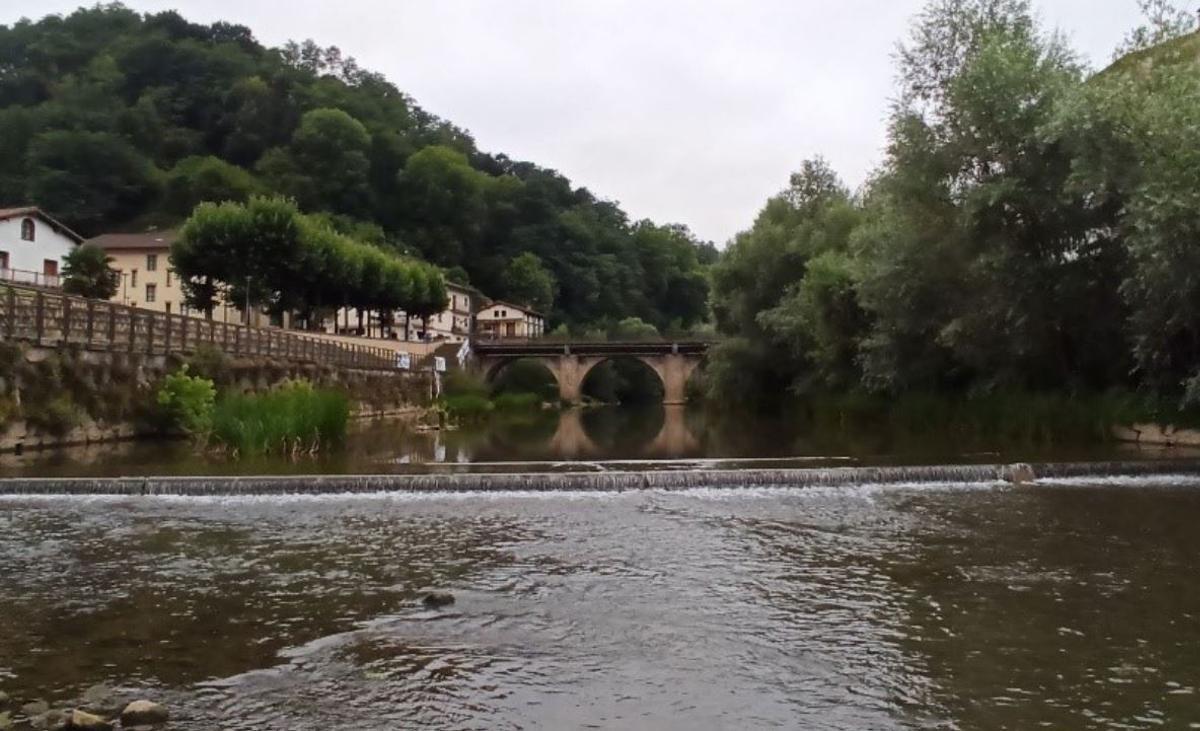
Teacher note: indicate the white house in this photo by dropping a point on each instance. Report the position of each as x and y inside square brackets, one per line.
[504, 320]
[32, 246]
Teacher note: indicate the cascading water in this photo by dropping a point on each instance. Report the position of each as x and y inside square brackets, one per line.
[584, 481]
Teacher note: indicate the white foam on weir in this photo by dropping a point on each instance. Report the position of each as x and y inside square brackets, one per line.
[560, 483]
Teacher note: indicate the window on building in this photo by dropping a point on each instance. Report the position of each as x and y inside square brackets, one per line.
[133, 278]
[50, 267]
[27, 230]
[167, 307]
[170, 273]
[151, 262]
[151, 292]
[3, 260]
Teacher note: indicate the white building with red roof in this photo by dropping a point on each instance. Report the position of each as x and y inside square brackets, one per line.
[32, 246]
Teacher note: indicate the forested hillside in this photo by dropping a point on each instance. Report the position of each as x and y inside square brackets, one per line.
[113, 120]
[1033, 228]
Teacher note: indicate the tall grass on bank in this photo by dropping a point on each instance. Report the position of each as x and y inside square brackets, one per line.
[292, 419]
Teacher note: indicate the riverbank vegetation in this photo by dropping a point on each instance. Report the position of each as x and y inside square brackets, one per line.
[1029, 239]
[520, 389]
[291, 419]
[115, 120]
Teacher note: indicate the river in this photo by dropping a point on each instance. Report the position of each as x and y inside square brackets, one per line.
[1068, 604]
[644, 438]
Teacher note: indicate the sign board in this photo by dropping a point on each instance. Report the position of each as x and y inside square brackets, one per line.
[439, 364]
[403, 361]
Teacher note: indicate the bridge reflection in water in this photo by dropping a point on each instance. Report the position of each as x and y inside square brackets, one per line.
[652, 432]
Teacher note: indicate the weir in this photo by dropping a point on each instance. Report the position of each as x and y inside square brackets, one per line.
[582, 481]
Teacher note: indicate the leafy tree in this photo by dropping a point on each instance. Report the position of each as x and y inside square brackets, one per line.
[529, 283]
[196, 180]
[88, 272]
[1164, 21]
[89, 178]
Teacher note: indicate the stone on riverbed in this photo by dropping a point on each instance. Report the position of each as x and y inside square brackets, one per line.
[144, 713]
[438, 599]
[84, 721]
[35, 708]
[5, 721]
[51, 720]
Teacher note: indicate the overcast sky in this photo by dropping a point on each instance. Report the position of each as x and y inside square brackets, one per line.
[689, 111]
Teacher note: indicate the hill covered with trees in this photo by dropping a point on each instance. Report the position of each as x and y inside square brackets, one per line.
[1034, 228]
[114, 120]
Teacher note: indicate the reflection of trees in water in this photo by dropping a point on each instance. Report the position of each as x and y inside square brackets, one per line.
[623, 430]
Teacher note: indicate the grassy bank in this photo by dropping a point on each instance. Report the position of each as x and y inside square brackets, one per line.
[290, 420]
[293, 418]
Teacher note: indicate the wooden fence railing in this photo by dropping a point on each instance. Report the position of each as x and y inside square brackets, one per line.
[52, 319]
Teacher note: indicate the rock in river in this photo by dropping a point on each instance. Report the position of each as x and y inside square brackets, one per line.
[143, 713]
[35, 708]
[438, 599]
[84, 721]
[48, 720]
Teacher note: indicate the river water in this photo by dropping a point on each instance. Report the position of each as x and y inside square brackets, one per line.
[642, 438]
[1068, 605]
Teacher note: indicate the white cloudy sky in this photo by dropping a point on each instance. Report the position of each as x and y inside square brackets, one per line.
[690, 111]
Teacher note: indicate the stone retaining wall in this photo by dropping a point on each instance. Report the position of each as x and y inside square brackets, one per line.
[65, 396]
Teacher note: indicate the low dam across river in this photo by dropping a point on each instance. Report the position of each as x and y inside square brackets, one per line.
[656, 479]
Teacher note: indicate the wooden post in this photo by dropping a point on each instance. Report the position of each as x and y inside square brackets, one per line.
[132, 329]
[112, 326]
[167, 334]
[39, 316]
[66, 319]
[150, 334]
[91, 321]
[11, 325]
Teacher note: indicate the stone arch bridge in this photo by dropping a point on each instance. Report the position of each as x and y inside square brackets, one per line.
[570, 363]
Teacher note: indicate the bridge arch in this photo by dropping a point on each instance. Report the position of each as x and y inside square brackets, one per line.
[570, 363]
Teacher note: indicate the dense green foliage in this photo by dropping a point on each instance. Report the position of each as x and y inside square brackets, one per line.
[112, 119]
[187, 403]
[284, 261]
[88, 272]
[292, 419]
[1033, 229]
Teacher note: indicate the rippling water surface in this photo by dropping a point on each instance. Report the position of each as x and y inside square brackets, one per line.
[1072, 605]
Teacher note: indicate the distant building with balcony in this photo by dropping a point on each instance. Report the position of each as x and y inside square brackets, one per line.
[504, 321]
[32, 246]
